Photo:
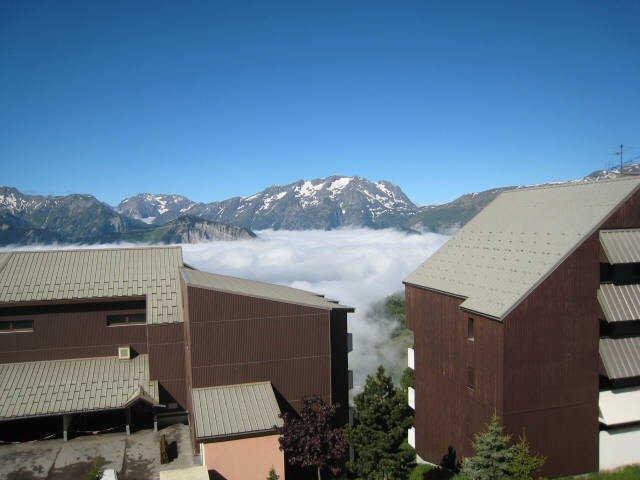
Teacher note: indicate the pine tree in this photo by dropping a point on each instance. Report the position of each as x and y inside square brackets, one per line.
[493, 455]
[312, 439]
[524, 465]
[273, 475]
[379, 432]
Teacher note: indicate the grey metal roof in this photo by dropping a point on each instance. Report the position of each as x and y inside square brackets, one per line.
[27, 276]
[254, 288]
[66, 386]
[512, 245]
[621, 357]
[621, 246]
[235, 409]
[620, 303]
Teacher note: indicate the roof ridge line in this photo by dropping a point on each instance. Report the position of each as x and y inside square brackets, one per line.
[90, 249]
[572, 183]
[263, 382]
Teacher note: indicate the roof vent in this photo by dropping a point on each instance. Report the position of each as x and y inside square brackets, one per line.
[124, 353]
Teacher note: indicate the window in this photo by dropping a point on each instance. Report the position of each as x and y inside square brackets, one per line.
[470, 329]
[471, 378]
[16, 325]
[126, 319]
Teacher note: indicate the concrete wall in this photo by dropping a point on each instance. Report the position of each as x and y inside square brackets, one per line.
[619, 447]
[244, 459]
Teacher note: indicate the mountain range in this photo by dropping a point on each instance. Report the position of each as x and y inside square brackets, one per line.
[323, 203]
[36, 219]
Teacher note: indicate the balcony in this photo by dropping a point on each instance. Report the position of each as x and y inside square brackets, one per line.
[349, 342]
[350, 379]
[411, 358]
[411, 437]
[411, 397]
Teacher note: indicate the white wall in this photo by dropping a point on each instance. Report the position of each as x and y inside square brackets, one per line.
[619, 447]
[411, 437]
[619, 406]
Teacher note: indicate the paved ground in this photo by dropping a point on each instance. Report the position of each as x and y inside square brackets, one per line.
[136, 457]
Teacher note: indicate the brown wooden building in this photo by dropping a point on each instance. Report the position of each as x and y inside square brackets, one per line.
[92, 333]
[507, 319]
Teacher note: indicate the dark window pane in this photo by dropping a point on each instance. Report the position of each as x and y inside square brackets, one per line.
[471, 378]
[5, 325]
[137, 318]
[470, 329]
[116, 319]
[23, 324]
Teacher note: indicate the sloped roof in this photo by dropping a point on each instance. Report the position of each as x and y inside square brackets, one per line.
[620, 357]
[619, 303]
[54, 387]
[253, 288]
[235, 410]
[512, 245]
[28, 276]
[621, 246]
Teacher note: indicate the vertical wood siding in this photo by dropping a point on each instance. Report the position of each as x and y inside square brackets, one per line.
[448, 413]
[238, 339]
[81, 334]
[70, 335]
[551, 354]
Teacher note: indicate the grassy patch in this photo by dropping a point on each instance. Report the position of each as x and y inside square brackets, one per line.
[429, 472]
[626, 473]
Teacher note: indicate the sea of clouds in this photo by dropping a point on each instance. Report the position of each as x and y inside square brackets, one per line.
[356, 266]
[359, 267]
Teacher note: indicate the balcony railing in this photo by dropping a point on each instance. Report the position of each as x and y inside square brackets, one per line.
[350, 379]
[411, 358]
[349, 342]
[411, 397]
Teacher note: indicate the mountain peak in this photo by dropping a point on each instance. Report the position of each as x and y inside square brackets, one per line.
[319, 203]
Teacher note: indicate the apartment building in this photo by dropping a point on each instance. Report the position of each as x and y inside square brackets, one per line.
[133, 337]
[532, 312]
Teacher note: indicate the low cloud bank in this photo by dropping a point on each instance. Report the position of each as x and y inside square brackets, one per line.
[356, 266]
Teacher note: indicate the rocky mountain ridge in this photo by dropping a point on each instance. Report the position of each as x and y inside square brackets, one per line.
[322, 203]
[37, 219]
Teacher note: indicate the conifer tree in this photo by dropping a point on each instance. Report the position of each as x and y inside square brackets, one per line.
[273, 475]
[493, 455]
[524, 465]
[379, 432]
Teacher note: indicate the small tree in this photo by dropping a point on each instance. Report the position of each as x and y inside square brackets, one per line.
[311, 439]
[273, 475]
[493, 455]
[379, 431]
[524, 465]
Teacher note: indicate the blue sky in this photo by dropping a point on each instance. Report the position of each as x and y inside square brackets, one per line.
[215, 99]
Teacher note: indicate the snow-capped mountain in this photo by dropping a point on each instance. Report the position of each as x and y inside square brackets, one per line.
[37, 219]
[149, 207]
[322, 203]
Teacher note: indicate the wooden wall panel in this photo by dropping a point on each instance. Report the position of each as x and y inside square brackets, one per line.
[82, 334]
[551, 349]
[166, 360]
[239, 339]
[448, 413]
[70, 335]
